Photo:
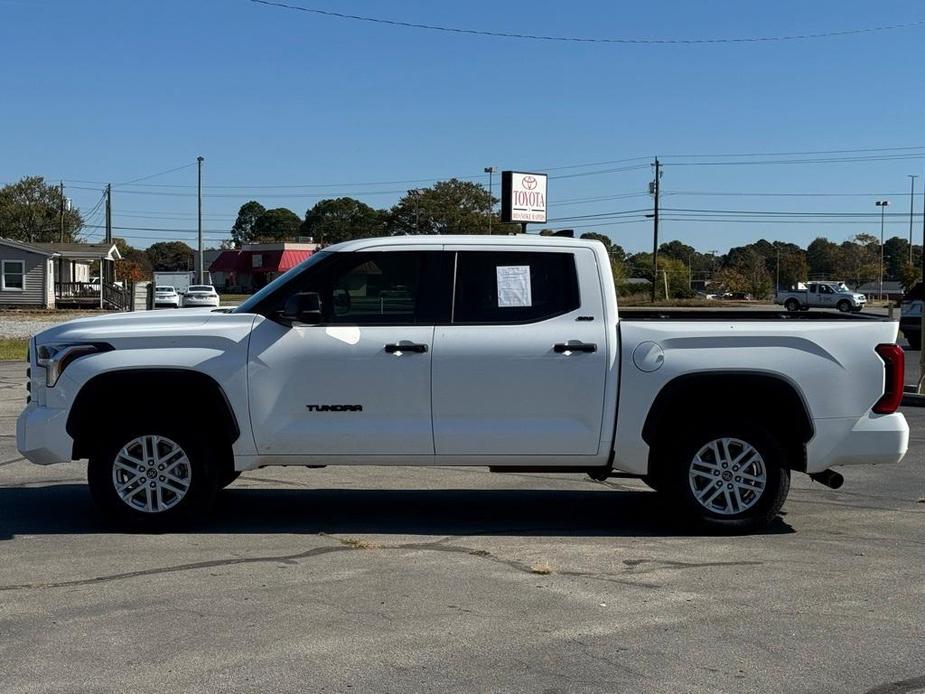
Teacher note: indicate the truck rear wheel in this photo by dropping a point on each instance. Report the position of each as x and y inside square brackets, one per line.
[730, 478]
[792, 305]
[152, 477]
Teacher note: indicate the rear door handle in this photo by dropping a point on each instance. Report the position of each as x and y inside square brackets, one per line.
[563, 347]
[394, 347]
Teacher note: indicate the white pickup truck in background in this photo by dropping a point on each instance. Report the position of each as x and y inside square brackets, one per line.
[821, 295]
[507, 352]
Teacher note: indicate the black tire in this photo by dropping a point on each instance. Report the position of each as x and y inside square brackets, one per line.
[914, 340]
[199, 469]
[844, 306]
[792, 305]
[675, 478]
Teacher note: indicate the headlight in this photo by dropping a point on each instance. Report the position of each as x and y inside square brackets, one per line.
[55, 358]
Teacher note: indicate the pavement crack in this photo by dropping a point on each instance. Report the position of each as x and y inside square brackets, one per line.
[344, 545]
[902, 687]
[192, 566]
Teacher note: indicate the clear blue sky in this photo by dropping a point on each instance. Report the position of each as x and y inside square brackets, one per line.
[110, 91]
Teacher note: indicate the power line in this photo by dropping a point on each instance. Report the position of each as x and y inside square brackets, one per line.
[159, 173]
[797, 154]
[582, 39]
[828, 160]
[783, 195]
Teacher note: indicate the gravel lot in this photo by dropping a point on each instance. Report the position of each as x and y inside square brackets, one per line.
[457, 580]
[28, 323]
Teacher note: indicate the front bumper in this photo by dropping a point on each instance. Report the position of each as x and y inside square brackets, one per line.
[871, 440]
[41, 435]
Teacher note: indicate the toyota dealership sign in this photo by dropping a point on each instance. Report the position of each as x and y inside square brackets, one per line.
[523, 197]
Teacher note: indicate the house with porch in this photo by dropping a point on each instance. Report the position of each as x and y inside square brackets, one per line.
[57, 275]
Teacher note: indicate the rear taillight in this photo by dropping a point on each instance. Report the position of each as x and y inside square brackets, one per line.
[894, 363]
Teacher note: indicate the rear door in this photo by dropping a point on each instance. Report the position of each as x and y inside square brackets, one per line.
[521, 367]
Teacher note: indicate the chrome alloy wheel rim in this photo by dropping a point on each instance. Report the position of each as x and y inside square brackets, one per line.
[151, 474]
[728, 476]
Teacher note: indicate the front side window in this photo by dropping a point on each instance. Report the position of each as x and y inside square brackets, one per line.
[13, 275]
[376, 288]
[514, 287]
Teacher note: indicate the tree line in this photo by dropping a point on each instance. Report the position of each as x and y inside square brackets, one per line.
[447, 207]
[30, 211]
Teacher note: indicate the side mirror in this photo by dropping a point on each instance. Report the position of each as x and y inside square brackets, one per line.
[304, 307]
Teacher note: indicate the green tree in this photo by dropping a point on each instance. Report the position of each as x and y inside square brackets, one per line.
[449, 207]
[859, 260]
[30, 210]
[822, 257]
[276, 225]
[170, 255]
[909, 275]
[243, 230]
[342, 219]
[895, 257]
[750, 264]
[793, 267]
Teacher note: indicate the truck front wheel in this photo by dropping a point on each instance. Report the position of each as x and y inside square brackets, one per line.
[728, 478]
[152, 478]
[844, 306]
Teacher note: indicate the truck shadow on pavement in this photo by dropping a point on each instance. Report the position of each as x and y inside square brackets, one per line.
[66, 509]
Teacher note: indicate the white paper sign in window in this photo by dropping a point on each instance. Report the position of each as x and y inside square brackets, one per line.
[514, 286]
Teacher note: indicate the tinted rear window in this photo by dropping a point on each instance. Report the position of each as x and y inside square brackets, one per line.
[512, 287]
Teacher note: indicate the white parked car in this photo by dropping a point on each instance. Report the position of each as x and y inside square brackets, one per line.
[507, 352]
[166, 296]
[201, 295]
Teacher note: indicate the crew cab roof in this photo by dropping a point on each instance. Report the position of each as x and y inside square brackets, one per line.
[506, 240]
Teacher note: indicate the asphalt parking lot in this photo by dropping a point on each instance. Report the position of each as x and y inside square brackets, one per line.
[410, 580]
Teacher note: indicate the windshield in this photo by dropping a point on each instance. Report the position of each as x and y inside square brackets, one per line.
[168, 290]
[248, 306]
[200, 288]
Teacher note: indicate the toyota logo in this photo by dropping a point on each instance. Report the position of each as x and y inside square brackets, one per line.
[529, 182]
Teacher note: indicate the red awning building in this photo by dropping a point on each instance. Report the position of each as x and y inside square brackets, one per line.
[252, 266]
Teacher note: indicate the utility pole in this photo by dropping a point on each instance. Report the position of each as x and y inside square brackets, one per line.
[882, 204]
[911, 213]
[777, 286]
[199, 220]
[491, 203]
[654, 191]
[61, 208]
[108, 213]
[921, 388]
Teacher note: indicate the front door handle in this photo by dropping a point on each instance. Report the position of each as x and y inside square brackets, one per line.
[563, 347]
[393, 347]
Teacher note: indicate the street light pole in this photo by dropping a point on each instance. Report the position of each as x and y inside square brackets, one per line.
[491, 203]
[882, 204]
[199, 160]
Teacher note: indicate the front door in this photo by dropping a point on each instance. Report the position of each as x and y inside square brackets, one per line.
[359, 384]
[521, 368]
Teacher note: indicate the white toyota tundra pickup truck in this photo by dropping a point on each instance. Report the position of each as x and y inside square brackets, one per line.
[506, 352]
